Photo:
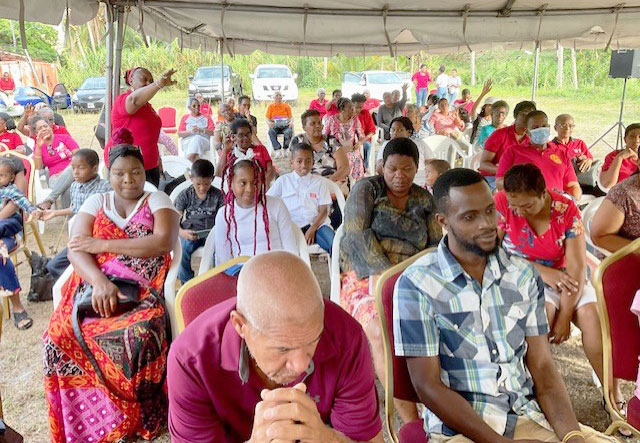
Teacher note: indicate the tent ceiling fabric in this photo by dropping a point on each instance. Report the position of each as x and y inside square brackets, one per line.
[357, 27]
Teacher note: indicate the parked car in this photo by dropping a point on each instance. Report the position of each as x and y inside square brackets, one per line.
[404, 76]
[269, 79]
[208, 82]
[89, 97]
[30, 95]
[377, 82]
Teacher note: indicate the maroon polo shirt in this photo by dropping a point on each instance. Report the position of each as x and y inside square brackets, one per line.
[209, 401]
[554, 163]
[499, 141]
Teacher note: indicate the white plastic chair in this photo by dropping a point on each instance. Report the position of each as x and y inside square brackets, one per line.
[170, 286]
[446, 148]
[335, 265]
[208, 252]
[175, 166]
[103, 172]
[587, 216]
[42, 193]
[303, 250]
[56, 290]
[150, 187]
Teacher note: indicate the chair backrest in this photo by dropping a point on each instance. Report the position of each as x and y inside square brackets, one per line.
[178, 189]
[616, 281]
[170, 286]
[587, 217]
[335, 265]
[150, 187]
[3, 147]
[204, 291]
[398, 382]
[60, 285]
[442, 147]
[303, 248]
[175, 166]
[168, 116]
[335, 190]
[208, 254]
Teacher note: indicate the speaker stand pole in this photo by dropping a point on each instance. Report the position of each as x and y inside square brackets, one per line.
[619, 126]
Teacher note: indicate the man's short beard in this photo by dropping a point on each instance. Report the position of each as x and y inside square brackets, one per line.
[472, 247]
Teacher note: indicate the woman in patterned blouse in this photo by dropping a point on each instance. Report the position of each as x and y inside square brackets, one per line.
[544, 227]
[388, 219]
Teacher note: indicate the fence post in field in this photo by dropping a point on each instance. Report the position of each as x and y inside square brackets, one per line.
[574, 68]
[473, 68]
[560, 54]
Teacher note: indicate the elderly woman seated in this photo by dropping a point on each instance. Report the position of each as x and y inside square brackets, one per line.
[544, 227]
[194, 131]
[616, 223]
[105, 365]
[388, 219]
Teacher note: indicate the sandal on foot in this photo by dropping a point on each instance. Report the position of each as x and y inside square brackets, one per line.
[19, 317]
[622, 408]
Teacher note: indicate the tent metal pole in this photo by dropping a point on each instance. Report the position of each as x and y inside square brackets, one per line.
[109, 74]
[118, 51]
[221, 71]
[534, 88]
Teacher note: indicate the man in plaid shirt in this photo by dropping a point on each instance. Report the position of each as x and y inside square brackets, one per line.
[471, 321]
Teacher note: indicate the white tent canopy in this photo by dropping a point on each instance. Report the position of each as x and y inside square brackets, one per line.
[361, 27]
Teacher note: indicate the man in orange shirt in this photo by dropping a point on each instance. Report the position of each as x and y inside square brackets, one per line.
[280, 121]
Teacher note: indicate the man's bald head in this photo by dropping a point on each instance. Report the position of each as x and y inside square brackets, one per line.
[277, 289]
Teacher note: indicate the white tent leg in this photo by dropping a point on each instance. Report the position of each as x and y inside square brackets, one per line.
[221, 71]
[117, 64]
[473, 68]
[534, 88]
[109, 74]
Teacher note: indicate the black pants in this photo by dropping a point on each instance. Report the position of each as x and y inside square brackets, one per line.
[57, 265]
[153, 176]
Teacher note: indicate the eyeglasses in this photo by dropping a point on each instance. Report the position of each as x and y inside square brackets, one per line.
[566, 126]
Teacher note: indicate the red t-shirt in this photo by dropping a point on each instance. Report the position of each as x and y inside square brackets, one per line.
[366, 121]
[205, 109]
[575, 147]
[11, 139]
[333, 110]
[499, 141]
[209, 401]
[320, 107]
[628, 167]
[553, 161]
[549, 248]
[145, 126]
[421, 79]
[7, 84]
[370, 104]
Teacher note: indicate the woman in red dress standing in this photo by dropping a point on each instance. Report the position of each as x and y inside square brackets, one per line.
[133, 111]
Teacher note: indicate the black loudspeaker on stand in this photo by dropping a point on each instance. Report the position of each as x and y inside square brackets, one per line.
[625, 64]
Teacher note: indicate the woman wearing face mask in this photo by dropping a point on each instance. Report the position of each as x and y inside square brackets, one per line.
[552, 159]
[133, 111]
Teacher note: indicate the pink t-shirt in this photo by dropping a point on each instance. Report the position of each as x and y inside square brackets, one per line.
[549, 248]
[575, 147]
[500, 140]
[422, 79]
[210, 402]
[320, 107]
[628, 167]
[57, 155]
[553, 161]
[445, 124]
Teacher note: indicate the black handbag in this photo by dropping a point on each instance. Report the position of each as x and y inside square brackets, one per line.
[128, 288]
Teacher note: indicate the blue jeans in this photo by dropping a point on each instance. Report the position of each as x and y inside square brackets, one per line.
[442, 92]
[453, 97]
[421, 96]
[273, 136]
[324, 237]
[185, 273]
[366, 147]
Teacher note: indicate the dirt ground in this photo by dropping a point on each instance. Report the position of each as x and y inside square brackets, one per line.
[21, 380]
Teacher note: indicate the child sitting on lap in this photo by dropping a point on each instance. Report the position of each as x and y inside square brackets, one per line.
[86, 182]
[307, 197]
[198, 205]
[250, 222]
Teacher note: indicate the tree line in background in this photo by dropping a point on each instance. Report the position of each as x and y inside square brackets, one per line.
[83, 56]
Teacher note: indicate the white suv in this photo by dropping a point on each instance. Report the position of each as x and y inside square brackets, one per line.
[377, 82]
[266, 80]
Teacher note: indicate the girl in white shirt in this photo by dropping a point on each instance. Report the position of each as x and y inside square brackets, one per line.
[442, 82]
[250, 222]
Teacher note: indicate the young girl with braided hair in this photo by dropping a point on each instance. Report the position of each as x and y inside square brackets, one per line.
[250, 222]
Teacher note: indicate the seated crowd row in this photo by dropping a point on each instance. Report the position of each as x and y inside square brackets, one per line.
[474, 316]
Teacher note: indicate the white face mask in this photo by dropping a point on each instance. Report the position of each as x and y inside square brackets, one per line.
[540, 136]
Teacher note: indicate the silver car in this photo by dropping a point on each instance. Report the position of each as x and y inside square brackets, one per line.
[208, 82]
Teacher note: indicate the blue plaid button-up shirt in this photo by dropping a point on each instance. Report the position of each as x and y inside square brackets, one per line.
[477, 331]
[79, 192]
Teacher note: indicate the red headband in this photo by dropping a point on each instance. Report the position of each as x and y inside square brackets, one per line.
[130, 73]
